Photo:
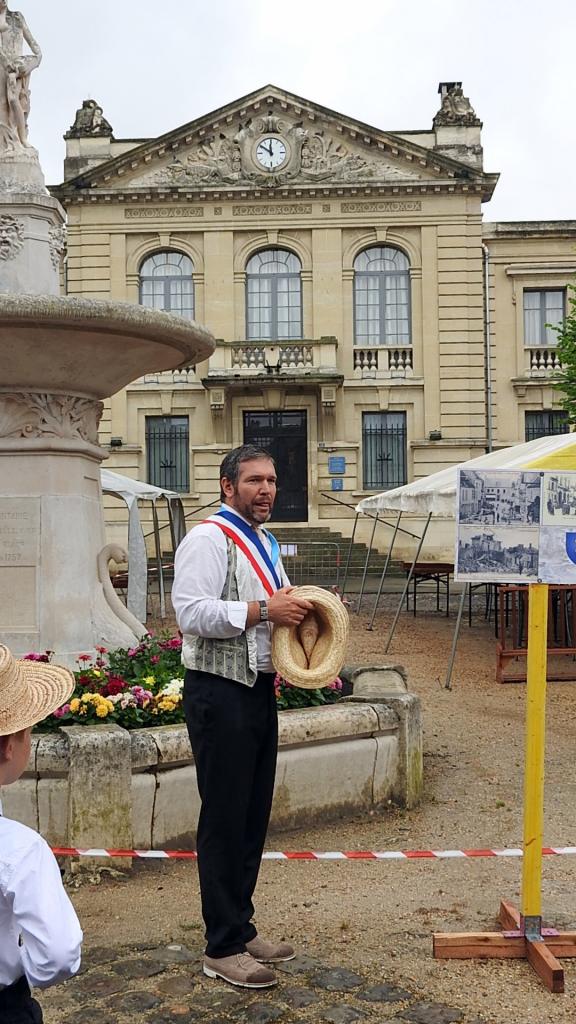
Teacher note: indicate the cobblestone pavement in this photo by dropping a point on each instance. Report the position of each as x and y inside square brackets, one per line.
[165, 985]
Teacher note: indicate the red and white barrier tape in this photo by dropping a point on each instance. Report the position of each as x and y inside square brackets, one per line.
[62, 851]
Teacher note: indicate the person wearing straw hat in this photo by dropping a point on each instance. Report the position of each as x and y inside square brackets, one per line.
[40, 936]
[229, 588]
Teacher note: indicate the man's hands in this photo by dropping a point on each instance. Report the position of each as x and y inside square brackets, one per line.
[286, 609]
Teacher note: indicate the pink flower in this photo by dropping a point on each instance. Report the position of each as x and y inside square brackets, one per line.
[336, 685]
[60, 712]
[102, 650]
[132, 652]
[154, 659]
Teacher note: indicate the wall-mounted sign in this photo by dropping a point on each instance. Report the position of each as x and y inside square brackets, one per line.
[336, 464]
[516, 526]
[337, 484]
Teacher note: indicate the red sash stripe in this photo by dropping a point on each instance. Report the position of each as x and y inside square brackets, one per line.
[246, 551]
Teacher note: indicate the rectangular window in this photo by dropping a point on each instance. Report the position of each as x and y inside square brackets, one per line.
[541, 309]
[383, 450]
[167, 452]
[546, 422]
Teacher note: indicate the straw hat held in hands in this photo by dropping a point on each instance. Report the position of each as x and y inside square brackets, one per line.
[30, 691]
[311, 655]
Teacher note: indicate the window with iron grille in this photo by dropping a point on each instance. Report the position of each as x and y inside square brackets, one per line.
[382, 297]
[545, 422]
[273, 296]
[166, 283]
[541, 310]
[167, 452]
[383, 450]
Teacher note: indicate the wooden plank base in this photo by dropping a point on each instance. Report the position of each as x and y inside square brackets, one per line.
[511, 943]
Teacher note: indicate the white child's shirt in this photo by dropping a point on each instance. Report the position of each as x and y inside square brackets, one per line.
[40, 935]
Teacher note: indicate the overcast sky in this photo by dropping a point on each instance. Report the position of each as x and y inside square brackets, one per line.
[153, 66]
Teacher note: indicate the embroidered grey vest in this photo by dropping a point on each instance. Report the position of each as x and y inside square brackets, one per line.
[228, 657]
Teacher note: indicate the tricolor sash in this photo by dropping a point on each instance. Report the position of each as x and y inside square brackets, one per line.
[248, 541]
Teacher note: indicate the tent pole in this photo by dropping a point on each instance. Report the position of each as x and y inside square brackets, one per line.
[159, 561]
[448, 683]
[364, 574]
[405, 591]
[343, 587]
[384, 571]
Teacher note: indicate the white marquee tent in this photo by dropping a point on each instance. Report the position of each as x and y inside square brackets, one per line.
[132, 492]
[435, 496]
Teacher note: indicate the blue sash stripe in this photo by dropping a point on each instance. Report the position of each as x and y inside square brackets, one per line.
[252, 536]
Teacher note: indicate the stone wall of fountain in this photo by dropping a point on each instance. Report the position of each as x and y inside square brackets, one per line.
[61, 357]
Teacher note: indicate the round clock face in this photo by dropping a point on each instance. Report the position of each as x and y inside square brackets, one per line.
[271, 153]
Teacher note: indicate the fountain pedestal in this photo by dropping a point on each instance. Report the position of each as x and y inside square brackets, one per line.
[60, 358]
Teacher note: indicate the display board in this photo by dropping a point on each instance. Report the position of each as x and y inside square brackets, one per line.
[516, 526]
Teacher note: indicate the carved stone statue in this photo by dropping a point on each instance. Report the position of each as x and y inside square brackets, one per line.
[15, 71]
[456, 108]
[89, 121]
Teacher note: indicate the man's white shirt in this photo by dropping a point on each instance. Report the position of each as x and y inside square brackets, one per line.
[40, 935]
[200, 569]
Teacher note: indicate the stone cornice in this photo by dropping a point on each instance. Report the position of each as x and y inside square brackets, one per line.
[293, 193]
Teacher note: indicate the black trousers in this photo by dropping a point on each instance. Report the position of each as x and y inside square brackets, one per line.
[17, 1005]
[233, 732]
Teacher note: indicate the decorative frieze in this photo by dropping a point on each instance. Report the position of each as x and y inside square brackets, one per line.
[32, 415]
[162, 212]
[11, 236]
[392, 206]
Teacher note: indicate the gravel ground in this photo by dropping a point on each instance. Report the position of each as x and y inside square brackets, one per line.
[378, 917]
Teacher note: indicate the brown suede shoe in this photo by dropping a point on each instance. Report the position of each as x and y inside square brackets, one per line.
[270, 952]
[240, 969]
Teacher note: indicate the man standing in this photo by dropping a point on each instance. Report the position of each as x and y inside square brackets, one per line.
[229, 588]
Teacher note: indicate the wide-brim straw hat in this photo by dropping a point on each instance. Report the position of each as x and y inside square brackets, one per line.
[311, 655]
[30, 691]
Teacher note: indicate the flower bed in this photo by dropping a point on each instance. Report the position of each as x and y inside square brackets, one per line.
[142, 686]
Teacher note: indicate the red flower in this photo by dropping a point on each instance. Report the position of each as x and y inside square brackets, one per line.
[113, 686]
[84, 657]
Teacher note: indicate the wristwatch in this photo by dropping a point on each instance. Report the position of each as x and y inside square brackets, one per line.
[263, 611]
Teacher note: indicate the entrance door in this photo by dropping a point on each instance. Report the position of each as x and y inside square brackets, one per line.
[284, 435]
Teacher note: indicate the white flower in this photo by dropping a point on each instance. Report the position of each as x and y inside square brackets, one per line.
[173, 688]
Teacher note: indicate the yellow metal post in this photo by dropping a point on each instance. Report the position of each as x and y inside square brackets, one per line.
[534, 755]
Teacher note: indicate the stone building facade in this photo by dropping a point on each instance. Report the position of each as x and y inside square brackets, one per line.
[372, 327]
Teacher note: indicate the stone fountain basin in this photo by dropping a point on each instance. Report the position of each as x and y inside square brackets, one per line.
[92, 348]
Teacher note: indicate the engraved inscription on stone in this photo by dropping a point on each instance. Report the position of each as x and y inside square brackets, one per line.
[276, 209]
[19, 605]
[19, 531]
[154, 212]
[383, 207]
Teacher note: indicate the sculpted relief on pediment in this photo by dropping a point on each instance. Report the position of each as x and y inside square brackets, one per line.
[271, 150]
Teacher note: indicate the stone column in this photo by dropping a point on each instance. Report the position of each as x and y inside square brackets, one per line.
[51, 528]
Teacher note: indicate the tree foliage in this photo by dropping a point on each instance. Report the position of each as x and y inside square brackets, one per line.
[565, 379]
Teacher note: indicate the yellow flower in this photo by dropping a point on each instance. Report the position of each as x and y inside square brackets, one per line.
[74, 705]
[96, 672]
[149, 680]
[102, 710]
[82, 709]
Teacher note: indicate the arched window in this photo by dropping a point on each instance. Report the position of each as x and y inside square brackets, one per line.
[382, 297]
[166, 283]
[273, 296]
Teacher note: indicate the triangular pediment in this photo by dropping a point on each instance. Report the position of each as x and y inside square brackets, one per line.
[272, 139]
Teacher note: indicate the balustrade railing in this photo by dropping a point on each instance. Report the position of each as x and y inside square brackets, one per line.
[543, 362]
[384, 362]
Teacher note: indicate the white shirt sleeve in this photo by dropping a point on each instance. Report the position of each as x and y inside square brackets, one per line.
[200, 568]
[51, 936]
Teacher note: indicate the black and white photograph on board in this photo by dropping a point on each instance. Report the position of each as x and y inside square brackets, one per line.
[557, 555]
[559, 499]
[499, 498]
[498, 553]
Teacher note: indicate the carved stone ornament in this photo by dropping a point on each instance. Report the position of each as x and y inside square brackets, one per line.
[57, 241]
[11, 236]
[313, 156]
[30, 415]
[456, 109]
[89, 122]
